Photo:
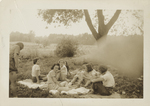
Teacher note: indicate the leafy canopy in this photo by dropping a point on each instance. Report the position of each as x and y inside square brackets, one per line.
[61, 16]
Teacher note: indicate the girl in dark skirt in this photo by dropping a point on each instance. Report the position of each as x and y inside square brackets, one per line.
[104, 84]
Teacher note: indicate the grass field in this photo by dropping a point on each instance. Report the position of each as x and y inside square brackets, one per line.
[127, 87]
[32, 50]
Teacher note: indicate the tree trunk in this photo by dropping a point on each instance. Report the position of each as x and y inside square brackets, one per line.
[90, 25]
[112, 21]
[102, 28]
[101, 24]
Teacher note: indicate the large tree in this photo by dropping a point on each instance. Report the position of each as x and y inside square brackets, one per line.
[66, 17]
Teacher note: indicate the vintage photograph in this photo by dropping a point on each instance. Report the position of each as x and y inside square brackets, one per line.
[76, 53]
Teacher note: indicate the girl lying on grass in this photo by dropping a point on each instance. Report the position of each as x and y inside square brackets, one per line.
[64, 71]
[53, 84]
[87, 75]
[36, 77]
[104, 83]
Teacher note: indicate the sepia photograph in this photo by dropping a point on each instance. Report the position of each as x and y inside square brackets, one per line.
[75, 53]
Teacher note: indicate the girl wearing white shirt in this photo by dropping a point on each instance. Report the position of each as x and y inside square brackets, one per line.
[36, 77]
[104, 83]
[64, 70]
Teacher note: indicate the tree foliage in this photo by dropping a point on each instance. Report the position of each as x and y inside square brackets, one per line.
[18, 36]
[116, 22]
[67, 16]
[66, 48]
[83, 39]
[130, 22]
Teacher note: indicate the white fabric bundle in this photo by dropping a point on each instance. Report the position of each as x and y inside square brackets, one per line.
[80, 90]
[30, 84]
[54, 92]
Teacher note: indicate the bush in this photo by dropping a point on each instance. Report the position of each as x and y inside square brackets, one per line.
[67, 47]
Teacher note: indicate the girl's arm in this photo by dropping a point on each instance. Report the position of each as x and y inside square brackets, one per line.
[86, 76]
[16, 56]
[58, 71]
[97, 79]
[68, 72]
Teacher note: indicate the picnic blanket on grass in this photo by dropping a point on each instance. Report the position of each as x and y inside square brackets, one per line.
[83, 92]
[30, 84]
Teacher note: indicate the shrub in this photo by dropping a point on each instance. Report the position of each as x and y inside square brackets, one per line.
[67, 47]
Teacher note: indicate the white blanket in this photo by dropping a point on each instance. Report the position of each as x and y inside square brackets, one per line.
[44, 86]
[30, 84]
[80, 90]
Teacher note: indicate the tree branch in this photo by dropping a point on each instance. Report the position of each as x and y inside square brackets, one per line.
[141, 30]
[90, 25]
[101, 26]
[112, 21]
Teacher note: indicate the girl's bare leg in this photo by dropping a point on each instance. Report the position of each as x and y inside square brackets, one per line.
[87, 83]
[79, 82]
[74, 79]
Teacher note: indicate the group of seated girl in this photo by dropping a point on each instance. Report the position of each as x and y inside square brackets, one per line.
[100, 79]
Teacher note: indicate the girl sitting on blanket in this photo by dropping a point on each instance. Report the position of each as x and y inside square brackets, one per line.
[52, 76]
[64, 71]
[36, 77]
[104, 83]
[87, 74]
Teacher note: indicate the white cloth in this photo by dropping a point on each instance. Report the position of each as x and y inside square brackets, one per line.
[54, 92]
[108, 79]
[80, 90]
[35, 69]
[29, 83]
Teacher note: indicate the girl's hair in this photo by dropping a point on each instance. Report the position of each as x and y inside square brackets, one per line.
[65, 62]
[89, 67]
[67, 66]
[60, 60]
[35, 61]
[56, 64]
[102, 69]
[21, 45]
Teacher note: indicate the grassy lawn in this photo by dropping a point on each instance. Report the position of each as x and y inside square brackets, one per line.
[125, 86]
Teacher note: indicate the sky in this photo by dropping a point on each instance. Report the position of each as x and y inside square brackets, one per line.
[24, 20]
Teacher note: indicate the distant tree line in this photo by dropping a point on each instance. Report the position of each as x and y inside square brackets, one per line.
[85, 39]
[25, 37]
